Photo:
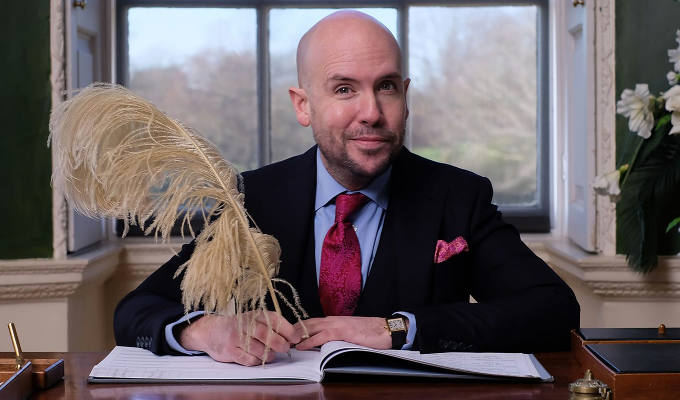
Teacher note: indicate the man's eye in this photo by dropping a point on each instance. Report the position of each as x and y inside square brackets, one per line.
[388, 86]
[343, 90]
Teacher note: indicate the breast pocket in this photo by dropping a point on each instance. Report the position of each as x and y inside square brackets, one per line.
[449, 282]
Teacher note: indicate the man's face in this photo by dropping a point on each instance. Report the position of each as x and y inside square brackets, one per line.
[356, 104]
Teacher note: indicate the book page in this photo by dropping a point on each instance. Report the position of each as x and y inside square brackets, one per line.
[136, 363]
[493, 364]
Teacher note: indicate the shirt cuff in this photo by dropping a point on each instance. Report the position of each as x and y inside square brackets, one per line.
[411, 334]
[172, 341]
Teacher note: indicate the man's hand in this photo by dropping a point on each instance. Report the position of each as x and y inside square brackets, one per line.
[220, 338]
[365, 331]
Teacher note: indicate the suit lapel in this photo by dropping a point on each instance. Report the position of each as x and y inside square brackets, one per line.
[401, 272]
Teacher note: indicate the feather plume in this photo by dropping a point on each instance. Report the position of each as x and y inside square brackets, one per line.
[118, 156]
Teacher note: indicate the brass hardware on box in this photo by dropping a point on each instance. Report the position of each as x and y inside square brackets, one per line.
[589, 388]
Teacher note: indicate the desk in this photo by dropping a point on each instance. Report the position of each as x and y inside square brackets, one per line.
[563, 366]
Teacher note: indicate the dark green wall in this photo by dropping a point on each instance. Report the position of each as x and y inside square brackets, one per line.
[25, 163]
[645, 30]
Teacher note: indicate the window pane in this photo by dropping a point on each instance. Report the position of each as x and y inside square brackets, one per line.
[473, 94]
[198, 65]
[286, 27]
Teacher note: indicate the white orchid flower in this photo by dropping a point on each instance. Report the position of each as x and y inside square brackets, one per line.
[672, 77]
[672, 97]
[637, 106]
[608, 185]
[674, 54]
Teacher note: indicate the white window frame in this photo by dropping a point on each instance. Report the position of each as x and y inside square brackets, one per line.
[602, 37]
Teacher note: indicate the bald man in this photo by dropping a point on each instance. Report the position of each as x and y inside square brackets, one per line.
[384, 247]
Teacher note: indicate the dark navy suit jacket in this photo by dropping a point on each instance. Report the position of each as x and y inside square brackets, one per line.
[522, 305]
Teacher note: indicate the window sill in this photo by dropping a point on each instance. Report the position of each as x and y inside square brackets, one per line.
[39, 278]
[607, 276]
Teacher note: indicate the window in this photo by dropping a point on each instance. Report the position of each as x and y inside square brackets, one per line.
[478, 96]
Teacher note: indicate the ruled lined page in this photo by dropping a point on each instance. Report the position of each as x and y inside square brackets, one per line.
[136, 363]
[496, 364]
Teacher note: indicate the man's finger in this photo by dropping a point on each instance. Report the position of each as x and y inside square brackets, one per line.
[258, 350]
[244, 358]
[281, 326]
[318, 339]
[268, 337]
[312, 326]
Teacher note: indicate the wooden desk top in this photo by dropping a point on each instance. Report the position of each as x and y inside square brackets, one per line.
[563, 366]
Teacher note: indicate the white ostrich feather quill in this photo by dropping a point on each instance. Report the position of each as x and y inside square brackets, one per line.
[114, 151]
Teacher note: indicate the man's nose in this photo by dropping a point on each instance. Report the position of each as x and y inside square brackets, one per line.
[370, 112]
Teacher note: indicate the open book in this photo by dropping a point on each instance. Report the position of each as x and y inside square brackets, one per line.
[131, 364]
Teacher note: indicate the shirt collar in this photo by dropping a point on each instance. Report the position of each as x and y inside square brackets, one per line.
[327, 187]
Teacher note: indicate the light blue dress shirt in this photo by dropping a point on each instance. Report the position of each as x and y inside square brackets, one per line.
[368, 223]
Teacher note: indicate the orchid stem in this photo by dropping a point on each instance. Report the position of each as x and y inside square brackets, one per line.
[631, 163]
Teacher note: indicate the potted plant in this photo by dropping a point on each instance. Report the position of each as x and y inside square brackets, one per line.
[647, 184]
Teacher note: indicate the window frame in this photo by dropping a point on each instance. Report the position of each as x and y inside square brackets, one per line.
[527, 219]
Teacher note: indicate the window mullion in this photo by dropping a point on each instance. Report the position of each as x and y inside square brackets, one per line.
[264, 150]
[402, 32]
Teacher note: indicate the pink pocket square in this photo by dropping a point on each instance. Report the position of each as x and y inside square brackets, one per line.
[446, 250]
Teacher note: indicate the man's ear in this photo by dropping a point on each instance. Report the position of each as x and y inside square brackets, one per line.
[298, 97]
[407, 81]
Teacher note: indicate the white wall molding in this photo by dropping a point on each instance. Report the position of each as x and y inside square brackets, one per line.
[32, 292]
[143, 256]
[640, 290]
[610, 276]
[58, 81]
[28, 279]
[605, 120]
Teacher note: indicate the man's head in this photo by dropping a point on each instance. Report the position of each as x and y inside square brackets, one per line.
[353, 95]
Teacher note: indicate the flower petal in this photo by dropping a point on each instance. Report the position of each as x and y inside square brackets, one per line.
[675, 122]
[674, 58]
[608, 185]
[636, 105]
[672, 97]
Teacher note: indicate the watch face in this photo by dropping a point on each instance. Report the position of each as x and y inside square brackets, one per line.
[396, 324]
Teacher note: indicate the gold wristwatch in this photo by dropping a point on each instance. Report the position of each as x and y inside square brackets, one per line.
[397, 326]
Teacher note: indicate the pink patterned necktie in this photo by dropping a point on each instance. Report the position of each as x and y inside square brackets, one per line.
[340, 274]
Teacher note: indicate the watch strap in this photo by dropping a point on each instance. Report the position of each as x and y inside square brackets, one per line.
[397, 330]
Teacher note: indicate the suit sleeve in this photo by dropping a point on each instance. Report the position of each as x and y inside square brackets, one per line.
[140, 318]
[522, 305]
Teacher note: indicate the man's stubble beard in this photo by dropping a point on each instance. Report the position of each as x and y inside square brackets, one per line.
[345, 162]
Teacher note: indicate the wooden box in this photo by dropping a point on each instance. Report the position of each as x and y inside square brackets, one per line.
[44, 373]
[15, 385]
[650, 377]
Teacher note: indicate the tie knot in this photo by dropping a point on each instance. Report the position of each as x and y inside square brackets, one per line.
[347, 204]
